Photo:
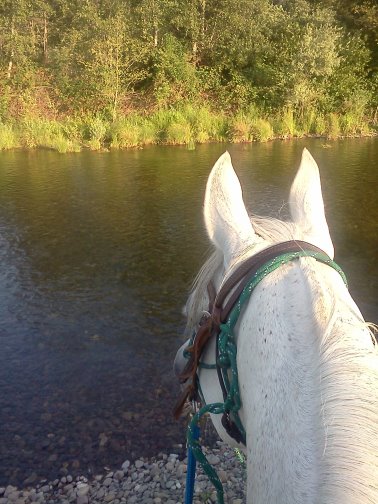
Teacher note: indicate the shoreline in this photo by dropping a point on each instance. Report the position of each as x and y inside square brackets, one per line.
[156, 480]
[186, 126]
[189, 146]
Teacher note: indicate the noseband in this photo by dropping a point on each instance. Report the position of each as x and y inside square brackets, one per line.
[235, 290]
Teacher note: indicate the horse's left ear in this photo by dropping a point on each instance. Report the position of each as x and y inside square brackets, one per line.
[307, 207]
[227, 222]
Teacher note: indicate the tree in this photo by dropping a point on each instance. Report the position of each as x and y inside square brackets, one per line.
[98, 61]
[23, 39]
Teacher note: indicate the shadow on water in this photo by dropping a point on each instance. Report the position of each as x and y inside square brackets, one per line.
[97, 252]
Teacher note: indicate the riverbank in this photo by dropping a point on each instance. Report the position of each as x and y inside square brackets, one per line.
[159, 480]
[188, 125]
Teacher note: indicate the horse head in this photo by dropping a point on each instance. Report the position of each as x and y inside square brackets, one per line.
[306, 363]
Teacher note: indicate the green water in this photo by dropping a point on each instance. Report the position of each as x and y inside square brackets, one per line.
[97, 252]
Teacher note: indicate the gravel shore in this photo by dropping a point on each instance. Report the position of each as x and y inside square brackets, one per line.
[159, 480]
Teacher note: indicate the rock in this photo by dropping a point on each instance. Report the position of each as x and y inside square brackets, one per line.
[20, 500]
[8, 490]
[157, 480]
[12, 497]
[103, 439]
[100, 494]
[139, 464]
[68, 488]
[82, 489]
[125, 466]
[118, 475]
[82, 499]
[222, 476]
[213, 459]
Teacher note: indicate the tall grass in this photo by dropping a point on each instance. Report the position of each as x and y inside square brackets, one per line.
[239, 130]
[333, 129]
[319, 125]
[284, 123]
[179, 130]
[306, 122]
[94, 132]
[186, 125]
[354, 124]
[46, 134]
[8, 137]
[261, 130]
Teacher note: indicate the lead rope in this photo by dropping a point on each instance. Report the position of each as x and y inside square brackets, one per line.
[191, 471]
[227, 362]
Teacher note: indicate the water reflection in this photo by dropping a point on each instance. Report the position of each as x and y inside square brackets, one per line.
[97, 251]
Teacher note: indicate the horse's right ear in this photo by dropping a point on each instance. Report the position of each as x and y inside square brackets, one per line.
[226, 218]
[307, 207]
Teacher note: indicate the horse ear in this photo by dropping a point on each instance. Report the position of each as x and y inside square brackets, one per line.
[226, 219]
[307, 207]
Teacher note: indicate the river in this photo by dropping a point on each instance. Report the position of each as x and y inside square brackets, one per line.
[97, 253]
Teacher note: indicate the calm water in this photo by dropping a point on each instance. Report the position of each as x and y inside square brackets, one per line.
[97, 251]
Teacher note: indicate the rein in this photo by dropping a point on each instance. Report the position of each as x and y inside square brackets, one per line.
[224, 310]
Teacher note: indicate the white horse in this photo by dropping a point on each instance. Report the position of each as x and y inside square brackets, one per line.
[307, 364]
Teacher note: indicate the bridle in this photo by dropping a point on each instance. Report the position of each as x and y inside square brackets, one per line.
[221, 304]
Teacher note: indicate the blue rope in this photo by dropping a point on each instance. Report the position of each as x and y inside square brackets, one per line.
[191, 472]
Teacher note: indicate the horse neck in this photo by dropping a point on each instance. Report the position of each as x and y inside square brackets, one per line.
[309, 381]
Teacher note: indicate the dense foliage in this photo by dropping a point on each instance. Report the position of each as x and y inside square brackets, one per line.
[110, 58]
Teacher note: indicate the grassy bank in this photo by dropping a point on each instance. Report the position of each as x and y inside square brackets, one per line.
[188, 125]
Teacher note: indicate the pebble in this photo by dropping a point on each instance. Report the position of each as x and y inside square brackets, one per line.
[159, 480]
[213, 459]
[125, 466]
